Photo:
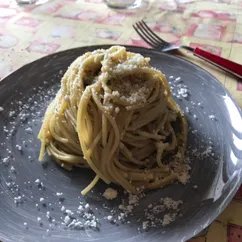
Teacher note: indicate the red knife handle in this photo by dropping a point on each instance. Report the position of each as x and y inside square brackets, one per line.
[227, 65]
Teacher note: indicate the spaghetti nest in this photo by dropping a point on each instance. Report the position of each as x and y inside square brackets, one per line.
[114, 114]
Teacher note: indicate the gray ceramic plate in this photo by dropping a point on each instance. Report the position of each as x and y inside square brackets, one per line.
[214, 149]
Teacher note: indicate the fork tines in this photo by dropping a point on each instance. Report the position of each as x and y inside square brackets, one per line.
[145, 32]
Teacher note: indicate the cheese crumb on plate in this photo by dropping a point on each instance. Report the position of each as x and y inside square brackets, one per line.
[110, 194]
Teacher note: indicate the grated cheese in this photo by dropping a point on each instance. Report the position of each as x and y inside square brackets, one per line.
[110, 194]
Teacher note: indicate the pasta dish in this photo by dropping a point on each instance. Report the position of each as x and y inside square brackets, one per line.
[114, 114]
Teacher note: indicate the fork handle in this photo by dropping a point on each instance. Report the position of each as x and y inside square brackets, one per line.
[224, 64]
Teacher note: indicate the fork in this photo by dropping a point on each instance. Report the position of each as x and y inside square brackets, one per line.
[156, 42]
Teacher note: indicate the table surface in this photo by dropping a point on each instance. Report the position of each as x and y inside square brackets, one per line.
[30, 32]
